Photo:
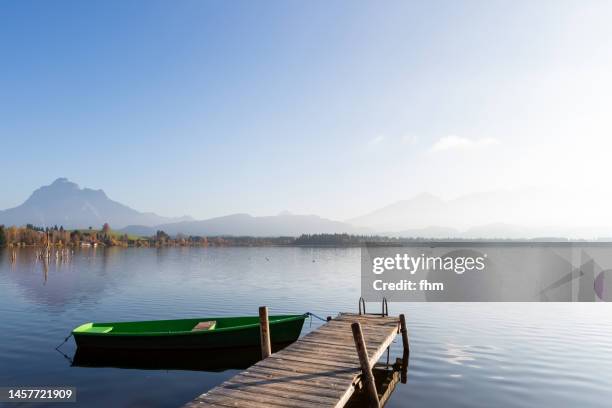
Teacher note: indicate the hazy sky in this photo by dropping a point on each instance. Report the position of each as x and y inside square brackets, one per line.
[335, 108]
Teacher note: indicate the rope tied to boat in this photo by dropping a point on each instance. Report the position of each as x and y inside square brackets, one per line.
[64, 342]
[311, 315]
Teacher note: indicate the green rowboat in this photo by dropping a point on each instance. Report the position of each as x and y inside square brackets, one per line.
[199, 333]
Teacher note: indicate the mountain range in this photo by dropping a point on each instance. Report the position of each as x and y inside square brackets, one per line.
[284, 224]
[525, 214]
[65, 203]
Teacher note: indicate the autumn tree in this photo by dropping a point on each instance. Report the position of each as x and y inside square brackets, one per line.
[161, 237]
[75, 236]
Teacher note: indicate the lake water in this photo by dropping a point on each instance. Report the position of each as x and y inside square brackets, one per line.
[462, 354]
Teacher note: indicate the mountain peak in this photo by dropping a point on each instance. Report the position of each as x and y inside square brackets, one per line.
[64, 186]
[60, 186]
[61, 180]
[63, 202]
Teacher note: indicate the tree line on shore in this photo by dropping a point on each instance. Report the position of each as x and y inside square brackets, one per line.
[31, 235]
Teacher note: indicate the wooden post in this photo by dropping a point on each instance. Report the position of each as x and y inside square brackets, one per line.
[264, 331]
[404, 373]
[406, 354]
[404, 333]
[364, 361]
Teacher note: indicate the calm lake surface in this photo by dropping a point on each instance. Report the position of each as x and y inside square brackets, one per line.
[462, 354]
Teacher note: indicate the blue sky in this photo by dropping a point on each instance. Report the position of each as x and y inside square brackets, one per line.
[335, 108]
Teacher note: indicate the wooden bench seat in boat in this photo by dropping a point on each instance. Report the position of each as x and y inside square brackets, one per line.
[201, 326]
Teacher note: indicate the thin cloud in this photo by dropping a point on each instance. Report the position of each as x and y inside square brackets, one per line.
[376, 140]
[453, 142]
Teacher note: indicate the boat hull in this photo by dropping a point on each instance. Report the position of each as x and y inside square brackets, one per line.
[282, 331]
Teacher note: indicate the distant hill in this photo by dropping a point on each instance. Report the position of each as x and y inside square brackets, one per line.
[419, 212]
[429, 232]
[426, 210]
[284, 224]
[65, 203]
[525, 213]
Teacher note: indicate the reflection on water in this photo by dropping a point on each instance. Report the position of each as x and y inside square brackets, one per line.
[56, 282]
[458, 355]
[462, 355]
[217, 360]
[387, 376]
[198, 360]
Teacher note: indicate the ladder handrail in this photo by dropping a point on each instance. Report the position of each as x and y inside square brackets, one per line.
[385, 307]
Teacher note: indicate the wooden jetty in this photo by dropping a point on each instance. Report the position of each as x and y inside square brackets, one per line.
[322, 369]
